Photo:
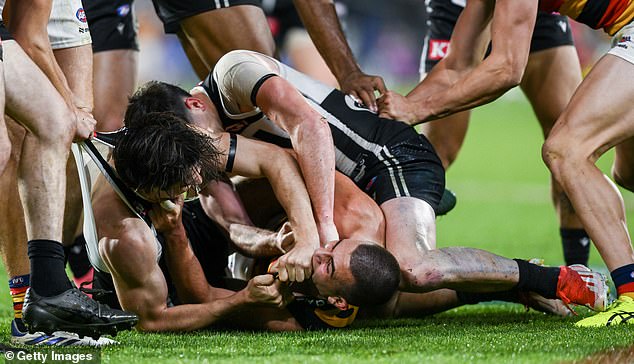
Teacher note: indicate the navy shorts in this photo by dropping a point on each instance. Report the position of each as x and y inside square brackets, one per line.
[112, 24]
[173, 12]
[411, 168]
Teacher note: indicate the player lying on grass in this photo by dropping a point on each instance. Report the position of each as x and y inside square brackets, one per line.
[190, 161]
[169, 172]
[368, 224]
[387, 159]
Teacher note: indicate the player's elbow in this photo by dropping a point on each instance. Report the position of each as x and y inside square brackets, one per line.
[514, 73]
[508, 73]
[147, 323]
[277, 98]
[513, 78]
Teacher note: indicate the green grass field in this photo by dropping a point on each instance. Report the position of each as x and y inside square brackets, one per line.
[504, 206]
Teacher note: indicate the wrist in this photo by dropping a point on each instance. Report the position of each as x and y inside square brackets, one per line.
[328, 232]
[244, 298]
[175, 234]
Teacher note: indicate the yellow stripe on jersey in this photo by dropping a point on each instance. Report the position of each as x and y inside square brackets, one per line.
[624, 19]
[336, 317]
[572, 8]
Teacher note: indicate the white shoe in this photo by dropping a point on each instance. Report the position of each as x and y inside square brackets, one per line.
[58, 338]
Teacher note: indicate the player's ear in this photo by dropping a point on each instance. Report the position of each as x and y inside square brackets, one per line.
[194, 103]
[338, 302]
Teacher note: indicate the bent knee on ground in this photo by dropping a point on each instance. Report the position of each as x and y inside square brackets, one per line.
[418, 276]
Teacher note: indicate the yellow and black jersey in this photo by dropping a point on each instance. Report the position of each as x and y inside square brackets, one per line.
[317, 314]
[611, 15]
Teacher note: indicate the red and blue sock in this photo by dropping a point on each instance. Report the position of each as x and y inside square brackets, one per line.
[18, 286]
[623, 278]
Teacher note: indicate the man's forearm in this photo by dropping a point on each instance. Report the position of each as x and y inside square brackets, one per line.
[315, 155]
[185, 270]
[255, 242]
[288, 185]
[313, 145]
[195, 316]
[480, 86]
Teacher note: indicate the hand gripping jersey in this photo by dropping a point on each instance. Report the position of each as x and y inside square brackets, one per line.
[385, 158]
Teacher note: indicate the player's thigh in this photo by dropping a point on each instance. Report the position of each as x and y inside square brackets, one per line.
[31, 99]
[599, 115]
[551, 78]
[216, 32]
[410, 229]
[111, 93]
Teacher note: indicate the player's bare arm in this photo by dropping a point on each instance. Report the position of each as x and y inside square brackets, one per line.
[320, 19]
[312, 143]
[255, 242]
[257, 159]
[500, 71]
[223, 205]
[129, 250]
[28, 23]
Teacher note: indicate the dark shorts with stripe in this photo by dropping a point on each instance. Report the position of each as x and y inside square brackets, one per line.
[411, 169]
[173, 12]
[399, 163]
[551, 31]
[208, 242]
[112, 24]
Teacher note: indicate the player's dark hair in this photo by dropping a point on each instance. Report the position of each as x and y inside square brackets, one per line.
[376, 273]
[161, 150]
[156, 96]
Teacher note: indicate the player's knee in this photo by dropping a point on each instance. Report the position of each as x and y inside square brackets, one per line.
[60, 128]
[553, 152]
[107, 248]
[417, 276]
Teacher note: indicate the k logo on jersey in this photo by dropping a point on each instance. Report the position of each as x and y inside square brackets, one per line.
[438, 49]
